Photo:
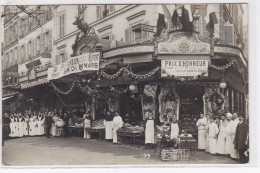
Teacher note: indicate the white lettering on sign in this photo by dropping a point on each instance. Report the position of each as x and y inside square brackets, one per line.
[84, 62]
[184, 67]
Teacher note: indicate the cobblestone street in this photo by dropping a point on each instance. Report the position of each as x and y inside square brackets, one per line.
[31, 151]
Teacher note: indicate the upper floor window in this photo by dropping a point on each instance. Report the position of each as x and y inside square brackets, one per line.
[98, 11]
[30, 49]
[111, 9]
[38, 45]
[229, 33]
[62, 25]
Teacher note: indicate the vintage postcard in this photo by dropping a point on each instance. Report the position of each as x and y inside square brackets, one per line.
[125, 84]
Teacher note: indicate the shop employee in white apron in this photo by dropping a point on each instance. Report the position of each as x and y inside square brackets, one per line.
[149, 130]
[201, 124]
[116, 124]
[87, 125]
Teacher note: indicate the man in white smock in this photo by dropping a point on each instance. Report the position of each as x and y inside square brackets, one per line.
[213, 133]
[149, 130]
[207, 133]
[108, 125]
[222, 136]
[201, 123]
[174, 127]
[229, 141]
[116, 124]
[87, 125]
[234, 152]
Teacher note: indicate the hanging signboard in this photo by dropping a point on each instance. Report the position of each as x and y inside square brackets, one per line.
[84, 62]
[184, 68]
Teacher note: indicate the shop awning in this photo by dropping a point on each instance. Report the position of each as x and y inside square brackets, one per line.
[8, 97]
[34, 83]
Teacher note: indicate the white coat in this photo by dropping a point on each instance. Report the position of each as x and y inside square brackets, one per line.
[221, 144]
[149, 132]
[234, 152]
[229, 141]
[207, 136]
[109, 130]
[201, 124]
[12, 127]
[213, 132]
[116, 124]
[174, 130]
[20, 127]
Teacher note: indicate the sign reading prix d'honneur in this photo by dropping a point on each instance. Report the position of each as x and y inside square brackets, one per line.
[84, 62]
[184, 68]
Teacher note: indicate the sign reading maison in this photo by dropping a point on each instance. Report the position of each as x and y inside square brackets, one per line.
[84, 62]
[184, 67]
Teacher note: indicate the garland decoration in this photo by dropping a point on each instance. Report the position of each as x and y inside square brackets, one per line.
[124, 69]
[60, 98]
[61, 91]
[223, 68]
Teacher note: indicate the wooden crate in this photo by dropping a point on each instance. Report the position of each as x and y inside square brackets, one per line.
[175, 154]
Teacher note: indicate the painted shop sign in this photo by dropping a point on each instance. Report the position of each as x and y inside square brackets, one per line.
[84, 62]
[229, 50]
[178, 44]
[34, 83]
[184, 68]
[128, 50]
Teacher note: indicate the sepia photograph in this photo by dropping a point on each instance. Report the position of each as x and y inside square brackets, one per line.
[125, 84]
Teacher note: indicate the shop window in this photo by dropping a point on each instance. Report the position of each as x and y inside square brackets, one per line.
[98, 11]
[229, 33]
[38, 45]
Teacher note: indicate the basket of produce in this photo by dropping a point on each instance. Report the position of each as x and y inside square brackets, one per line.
[60, 123]
[79, 125]
[175, 154]
[98, 124]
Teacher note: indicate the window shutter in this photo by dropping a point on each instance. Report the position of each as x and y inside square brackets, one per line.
[42, 47]
[65, 57]
[35, 47]
[127, 35]
[56, 59]
[229, 34]
[50, 40]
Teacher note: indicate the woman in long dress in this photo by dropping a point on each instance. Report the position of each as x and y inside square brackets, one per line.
[32, 124]
[202, 132]
[213, 133]
[16, 125]
[108, 125]
[221, 143]
[149, 130]
[116, 124]
[12, 126]
[20, 125]
[26, 125]
[87, 125]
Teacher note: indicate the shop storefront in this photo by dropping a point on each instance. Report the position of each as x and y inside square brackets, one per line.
[179, 73]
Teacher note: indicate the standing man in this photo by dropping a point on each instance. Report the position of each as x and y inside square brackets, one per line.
[241, 139]
[207, 133]
[234, 152]
[213, 136]
[201, 124]
[229, 141]
[48, 124]
[116, 124]
[222, 136]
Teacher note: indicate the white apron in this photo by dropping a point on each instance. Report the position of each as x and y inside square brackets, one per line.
[207, 137]
[12, 128]
[109, 130]
[233, 151]
[229, 141]
[117, 123]
[87, 125]
[54, 130]
[42, 129]
[25, 127]
[149, 132]
[221, 143]
[174, 130]
[32, 129]
[213, 131]
[20, 127]
[202, 133]
[16, 128]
